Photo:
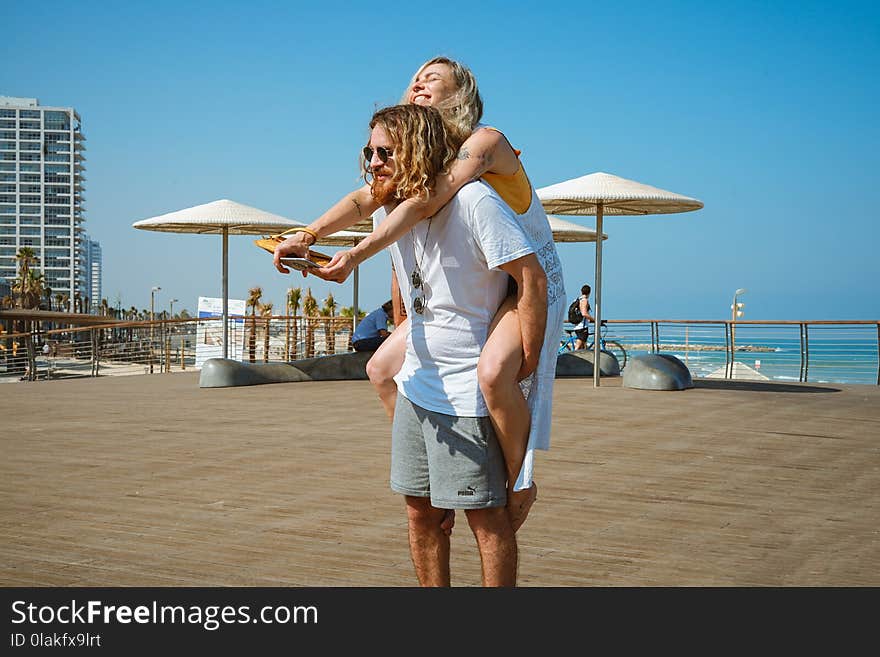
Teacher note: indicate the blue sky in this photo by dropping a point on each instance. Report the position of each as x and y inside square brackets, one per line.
[764, 111]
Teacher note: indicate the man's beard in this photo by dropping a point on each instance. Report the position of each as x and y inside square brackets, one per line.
[384, 192]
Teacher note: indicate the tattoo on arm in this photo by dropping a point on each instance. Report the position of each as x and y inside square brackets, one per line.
[484, 159]
[358, 206]
[485, 162]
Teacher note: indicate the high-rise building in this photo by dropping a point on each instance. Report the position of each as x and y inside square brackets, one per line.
[92, 271]
[41, 192]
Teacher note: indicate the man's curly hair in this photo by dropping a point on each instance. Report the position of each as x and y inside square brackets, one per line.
[423, 148]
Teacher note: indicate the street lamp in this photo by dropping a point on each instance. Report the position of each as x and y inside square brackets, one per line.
[153, 291]
[736, 311]
[167, 333]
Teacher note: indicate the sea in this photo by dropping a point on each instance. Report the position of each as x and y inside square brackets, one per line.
[831, 356]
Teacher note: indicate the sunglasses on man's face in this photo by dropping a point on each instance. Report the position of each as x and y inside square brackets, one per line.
[381, 151]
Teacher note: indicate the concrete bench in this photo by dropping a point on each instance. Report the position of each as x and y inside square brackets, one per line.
[580, 363]
[220, 373]
[657, 372]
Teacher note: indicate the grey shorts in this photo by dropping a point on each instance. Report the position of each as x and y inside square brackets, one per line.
[456, 461]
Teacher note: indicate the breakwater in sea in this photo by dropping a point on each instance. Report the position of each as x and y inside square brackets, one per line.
[704, 347]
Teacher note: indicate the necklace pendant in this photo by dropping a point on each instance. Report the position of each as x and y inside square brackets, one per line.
[419, 305]
[416, 278]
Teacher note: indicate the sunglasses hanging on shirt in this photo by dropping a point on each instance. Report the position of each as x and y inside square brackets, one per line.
[420, 302]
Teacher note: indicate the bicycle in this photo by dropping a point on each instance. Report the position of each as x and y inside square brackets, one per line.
[605, 344]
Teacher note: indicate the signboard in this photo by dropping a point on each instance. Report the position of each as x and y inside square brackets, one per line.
[209, 335]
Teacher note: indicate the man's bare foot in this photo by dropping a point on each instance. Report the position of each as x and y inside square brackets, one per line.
[519, 503]
[448, 522]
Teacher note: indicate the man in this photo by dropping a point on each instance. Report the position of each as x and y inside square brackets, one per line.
[453, 271]
[373, 329]
[583, 326]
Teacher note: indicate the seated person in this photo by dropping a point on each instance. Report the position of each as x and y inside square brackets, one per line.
[372, 330]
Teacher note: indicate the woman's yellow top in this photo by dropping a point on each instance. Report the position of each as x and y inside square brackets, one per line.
[515, 188]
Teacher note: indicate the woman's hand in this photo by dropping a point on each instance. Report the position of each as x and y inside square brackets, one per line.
[297, 246]
[339, 267]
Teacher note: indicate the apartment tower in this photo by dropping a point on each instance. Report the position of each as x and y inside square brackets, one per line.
[41, 193]
[92, 271]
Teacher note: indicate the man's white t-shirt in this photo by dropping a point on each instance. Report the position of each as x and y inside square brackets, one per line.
[458, 252]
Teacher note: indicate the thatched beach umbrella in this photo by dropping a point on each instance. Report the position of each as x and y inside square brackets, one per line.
[223, 217]
[603, 194]
[566, 231]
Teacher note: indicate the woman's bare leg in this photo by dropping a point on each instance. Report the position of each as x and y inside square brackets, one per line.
[381, 368]
[385, 363]
[499, 364]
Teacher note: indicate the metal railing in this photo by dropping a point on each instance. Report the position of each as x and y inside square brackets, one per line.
[165, 346]
[805, 351]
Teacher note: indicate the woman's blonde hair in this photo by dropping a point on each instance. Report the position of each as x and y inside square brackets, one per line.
[423, 148]
[463, 110]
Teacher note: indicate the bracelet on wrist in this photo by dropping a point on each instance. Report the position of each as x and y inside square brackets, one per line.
[303, 229]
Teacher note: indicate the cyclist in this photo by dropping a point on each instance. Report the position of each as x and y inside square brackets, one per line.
[582, 330]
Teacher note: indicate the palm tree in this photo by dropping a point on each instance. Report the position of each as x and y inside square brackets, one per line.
[293, 298]
[329, 310]
[29, 285]
[29, 289]
[253, 300]
[19, 291]
[37, 287]
[310, 305]
[348, 311]
[310, 309]
[26, 258]
[266, 311]
[330, 305]
[132, 317]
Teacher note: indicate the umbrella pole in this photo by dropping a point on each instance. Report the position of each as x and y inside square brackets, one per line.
[354, 321]
[225, 292]
[598, 280]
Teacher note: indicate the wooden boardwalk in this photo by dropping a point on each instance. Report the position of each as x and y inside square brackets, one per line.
[152, 481]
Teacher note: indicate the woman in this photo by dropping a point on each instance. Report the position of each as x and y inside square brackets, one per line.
[519, 413]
